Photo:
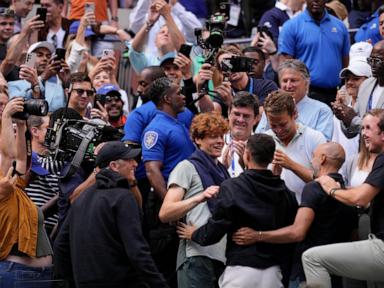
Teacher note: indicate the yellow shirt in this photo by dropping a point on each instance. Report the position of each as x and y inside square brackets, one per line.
[18, 222]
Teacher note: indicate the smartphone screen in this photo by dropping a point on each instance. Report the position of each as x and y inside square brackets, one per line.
[60, 53]
[108, 52]
[42, 12]
[185, 49]
[89, 7]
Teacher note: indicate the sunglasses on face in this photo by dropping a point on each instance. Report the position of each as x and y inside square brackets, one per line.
[109, 99]
[80, 92]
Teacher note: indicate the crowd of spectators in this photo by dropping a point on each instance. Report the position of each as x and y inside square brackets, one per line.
[219, 165]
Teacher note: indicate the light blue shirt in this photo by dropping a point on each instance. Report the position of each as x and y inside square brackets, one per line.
[141, 60]
[311, 113]
[52, 92]
[320, 46]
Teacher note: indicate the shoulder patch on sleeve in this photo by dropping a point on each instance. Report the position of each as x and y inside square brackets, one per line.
[150, 139]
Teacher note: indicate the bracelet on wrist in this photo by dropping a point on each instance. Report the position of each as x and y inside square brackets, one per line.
[273, 53]
[133, 184]
[332, 192]
[148, 26]
[260, 235]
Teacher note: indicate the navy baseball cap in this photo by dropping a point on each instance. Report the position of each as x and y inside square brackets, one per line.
[115, 150]
[108, 89]
[75, 26]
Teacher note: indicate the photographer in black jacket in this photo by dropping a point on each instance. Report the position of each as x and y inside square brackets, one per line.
[101, 242]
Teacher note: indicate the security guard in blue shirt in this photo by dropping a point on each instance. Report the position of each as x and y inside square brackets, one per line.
[165, 143]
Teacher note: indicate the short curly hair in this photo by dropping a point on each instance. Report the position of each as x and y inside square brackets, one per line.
[279, 102]
[208, 124]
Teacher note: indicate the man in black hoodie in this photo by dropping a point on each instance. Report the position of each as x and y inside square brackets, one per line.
[256, 198]
[101, 242]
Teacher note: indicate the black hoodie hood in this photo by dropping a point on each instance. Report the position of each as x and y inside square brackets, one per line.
[107, 178]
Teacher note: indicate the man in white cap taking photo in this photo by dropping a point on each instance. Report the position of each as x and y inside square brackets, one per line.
[41, 76]
[370, 94]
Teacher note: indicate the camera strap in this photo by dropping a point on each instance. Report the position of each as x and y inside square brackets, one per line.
[78, 158]
[250, 89]
[28, 144]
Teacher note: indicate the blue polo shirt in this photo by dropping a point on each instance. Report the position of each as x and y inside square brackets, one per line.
[166, 139]
[320, 46]
[139, 119]
[370, 30]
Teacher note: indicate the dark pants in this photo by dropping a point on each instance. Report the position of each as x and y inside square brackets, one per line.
[199, 271]
[325, 95]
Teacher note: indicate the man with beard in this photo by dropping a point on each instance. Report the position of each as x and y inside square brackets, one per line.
[165, 143]
[44, 80]
[113, 105]
[319, 220]
[370, 95]
[263, 201]
[362, 260]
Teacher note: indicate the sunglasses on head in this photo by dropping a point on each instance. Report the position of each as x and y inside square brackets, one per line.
[7, 12]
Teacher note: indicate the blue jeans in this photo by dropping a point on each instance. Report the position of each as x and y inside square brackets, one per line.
[199, 271]
[15, 275]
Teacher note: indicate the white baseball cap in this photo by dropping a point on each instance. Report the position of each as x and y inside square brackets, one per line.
[41, 44]
[358, 67]
[360, 50]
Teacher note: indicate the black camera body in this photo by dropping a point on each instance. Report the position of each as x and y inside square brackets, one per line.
[237, 64]
[69, 138]
[37, 107]
[216, 25]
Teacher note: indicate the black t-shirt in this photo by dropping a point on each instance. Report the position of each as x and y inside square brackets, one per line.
[376, 179]
[333, 222]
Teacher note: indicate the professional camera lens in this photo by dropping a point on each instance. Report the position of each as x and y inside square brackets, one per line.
[38, 107]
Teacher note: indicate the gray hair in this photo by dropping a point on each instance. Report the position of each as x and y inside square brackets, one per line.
[296, 65]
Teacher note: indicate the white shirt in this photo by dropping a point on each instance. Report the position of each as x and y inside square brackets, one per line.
[300, 150]
[59, 38]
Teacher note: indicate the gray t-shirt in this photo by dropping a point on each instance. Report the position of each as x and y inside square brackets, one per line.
[185, 175]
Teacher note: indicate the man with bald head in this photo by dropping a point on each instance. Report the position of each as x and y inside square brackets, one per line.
[370, 95]
[320, 219]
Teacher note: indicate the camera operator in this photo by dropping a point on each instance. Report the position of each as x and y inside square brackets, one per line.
[25, 247]
[42, 80]
[110, 107]
[234, 82]
[80, 92]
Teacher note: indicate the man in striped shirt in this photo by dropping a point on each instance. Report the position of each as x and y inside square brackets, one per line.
[43, 186]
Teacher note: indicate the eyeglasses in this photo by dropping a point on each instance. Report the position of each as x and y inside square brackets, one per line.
[375, 61]
[109, 99]
[7, 12]
[80, 92]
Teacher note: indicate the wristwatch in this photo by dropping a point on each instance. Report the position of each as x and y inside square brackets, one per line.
[36, 88]
[115, 18]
